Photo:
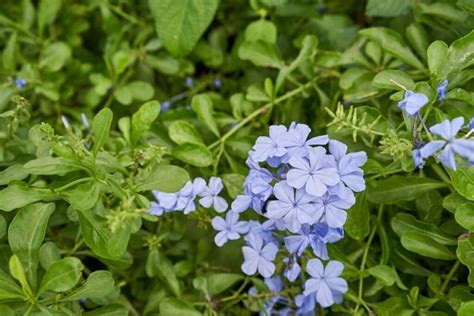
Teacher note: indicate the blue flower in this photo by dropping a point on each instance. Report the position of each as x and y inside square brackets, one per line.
[413, 102]
[156, 209]
[325, 282]
[306, 305]
[165, 106]
[441, 90]
[315, 236]
[448, 130]
[189, 82]
[297, 143]
[471, 123]
[312, 173]
[229, 229]
[184, 199]
[210, 195]
[256, 193]
[295, 207]
[259, 257]
[348, 165]
[269, 147]
[332, 208]
[217, 83]
[20, 83]
[293, 269]
[418, 158]
[85, 122]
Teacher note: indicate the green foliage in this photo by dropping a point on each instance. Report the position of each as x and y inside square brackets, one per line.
[76, 236]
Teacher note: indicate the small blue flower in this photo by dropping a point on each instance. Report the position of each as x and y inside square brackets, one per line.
[315, 236]
[306, 304]
[297, 143]
[165, 106]
[471, 123]
[418, 158]
[332, 208]
[325, 282]
[85, 122]
[293, 269]
[413, 102]
[189, 82]
[20, 83]
[441, 90]
[217, 83]
[294, 207]
[229, 229]
[156, 209]
[312, 173]
[184, 199]
[269, 147]
[259, 257]
[448, 130]
[348, 165]
[210, 195]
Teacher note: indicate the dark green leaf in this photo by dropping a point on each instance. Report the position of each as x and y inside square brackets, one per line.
[62, 275]
[465, 216]
[261, 53]
[159, 265]
[357, 224]
[218, 283]
[8, 288]
[55, 56]
[50, 166]
[175, 307]
[49, 253]
[463, 181]
[203, 106]
[14, 172]
[465, 254]
[423, 245]
[16, 196]
[84, 196]
[233, 183]
[97, 285]
[47, 12]
[387, 8]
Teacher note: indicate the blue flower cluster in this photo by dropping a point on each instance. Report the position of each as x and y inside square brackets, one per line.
[184, 199]
[302, 188]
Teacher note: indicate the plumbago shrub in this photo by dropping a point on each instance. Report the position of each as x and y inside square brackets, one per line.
[269, 157]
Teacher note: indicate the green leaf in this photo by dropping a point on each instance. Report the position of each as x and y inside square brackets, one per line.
[121, 60]
[62, 275]
[101, 128]
[392, 43]
[26, 234]
[17, 196]
[3, 226]
[159, 265]
[141, 90]
[144, 118]
[164, 178]
[392, 79]
[100, 239]
[84, 196]
[9, 290]
[9, 53]
[387, 8]
[193, 154]
[465, 254]
[180, 24]
[5, 310]
[437, 55]
[423, 245]
[459, 56]
[453, 201]
[183, 132]
[463, 181]
[384, 274]
[465, 216]
[123, 95]
[14, 172]
[49, 253]
[52, 166]
[109, 310]
[175, 307]
[357, 224]
[55, 56]
[202, 105]
[418, 38]
[400, 188]
[47, 12]
[218, 283]
[402, 223]
[261, 53]
[97, 285]
[233, 183]
[261, 30]
[466, 309]
[18, 272]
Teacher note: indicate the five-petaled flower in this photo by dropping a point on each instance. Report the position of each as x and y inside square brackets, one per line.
[259, 257]
[229, 229]
[413, 102]
[210, 195]
[325, 282]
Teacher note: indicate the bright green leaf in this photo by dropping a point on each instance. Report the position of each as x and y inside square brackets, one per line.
[62, 275]
[203, 106]
[193, 154]
[183, 132]
[423, 245]
[101, 128]
[144, 118]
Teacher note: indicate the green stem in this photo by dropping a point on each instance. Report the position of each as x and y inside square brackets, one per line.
[362, 264]
[71, 184]
[449, 276]
[436, 168]
[261, 110]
